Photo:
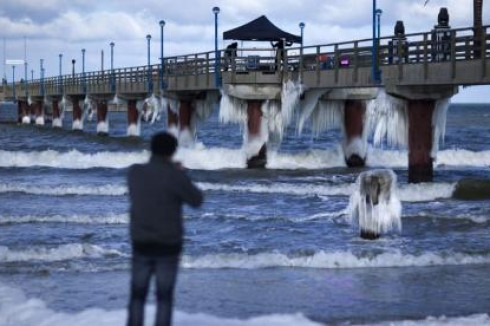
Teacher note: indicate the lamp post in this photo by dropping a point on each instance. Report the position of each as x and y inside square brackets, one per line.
[83, 72]
[379, 12]
[13, 81]
[73, 61]
[42, 75]
[375, 73]
[162, 68]
[32, 75]
[113, 84]
[61, 76]
[150, 85]
[217, 67]
[301, 27]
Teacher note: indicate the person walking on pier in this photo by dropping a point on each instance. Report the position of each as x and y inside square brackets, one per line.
[157, 191]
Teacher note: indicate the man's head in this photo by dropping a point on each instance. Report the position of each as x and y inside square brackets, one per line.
[163, 144]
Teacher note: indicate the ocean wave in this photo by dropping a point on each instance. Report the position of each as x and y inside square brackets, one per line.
[472, 320]
[201, 158]
[330, 260]
[407, 192]
[76, 219]
[59, 253]
[18, 310]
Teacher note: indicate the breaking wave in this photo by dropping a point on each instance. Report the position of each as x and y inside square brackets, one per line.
[331, 260]
[76, 219]
[203, 158]
[406, 192]
[472, 320]
[59, 253]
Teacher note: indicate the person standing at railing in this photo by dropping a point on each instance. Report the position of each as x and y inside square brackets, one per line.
[230, 55]
[279, 46]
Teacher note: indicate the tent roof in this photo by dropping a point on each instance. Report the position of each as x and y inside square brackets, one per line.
[260, 29]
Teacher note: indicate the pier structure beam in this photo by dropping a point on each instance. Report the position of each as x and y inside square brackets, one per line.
[39, 112]
[255, 147]
[77, 114]
[102, 119]
[57, 122]
[421, 104]
[186, 133]
[133, 119]
[354, 145]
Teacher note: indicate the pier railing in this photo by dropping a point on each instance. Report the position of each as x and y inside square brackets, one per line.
[251, 65]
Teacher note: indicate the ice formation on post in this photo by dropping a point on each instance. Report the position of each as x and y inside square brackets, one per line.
[439, 124]
[58, 121]
[374, 205]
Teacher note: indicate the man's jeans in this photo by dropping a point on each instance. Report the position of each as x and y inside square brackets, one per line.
[143, 267]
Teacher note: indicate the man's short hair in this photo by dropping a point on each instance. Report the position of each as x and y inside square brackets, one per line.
[163, 144]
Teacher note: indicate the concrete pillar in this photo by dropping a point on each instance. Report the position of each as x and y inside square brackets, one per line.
[57, 123]
[24, 112]
[172, 122]
[255, 148]
[102, 120]
[354, 146]
[186, 136]
[133, 119]
[77, 114]
[39, 112]
[420, 140]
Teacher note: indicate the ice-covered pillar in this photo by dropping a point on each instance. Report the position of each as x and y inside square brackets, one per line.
[77, 114]
[420, 133]
[24, 112]
[102, 121]
[172, 122]
[133, 119]
[57, 123]
[255, 147]
[39, 112]
[421, 123]
[354, 145]
[186, 136]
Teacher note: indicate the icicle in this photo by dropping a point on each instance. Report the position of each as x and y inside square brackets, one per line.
[439, 124]
[290, 95]
[89, 109]
[387, 120]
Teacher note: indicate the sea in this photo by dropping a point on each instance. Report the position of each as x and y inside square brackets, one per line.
[268, 247]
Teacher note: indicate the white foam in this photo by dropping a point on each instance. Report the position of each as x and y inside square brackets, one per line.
[103, 127]
[40, 120]
[59, 253]
[331, 260]
[78, 219]
[57, 123]
[472, 320]
[17, 310]
[26, 120]
[214, 158]
[77, 124]
[134, 129]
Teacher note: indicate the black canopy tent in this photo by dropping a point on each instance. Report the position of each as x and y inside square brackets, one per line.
[260, 29]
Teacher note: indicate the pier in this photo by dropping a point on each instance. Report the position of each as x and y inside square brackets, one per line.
[421, 69]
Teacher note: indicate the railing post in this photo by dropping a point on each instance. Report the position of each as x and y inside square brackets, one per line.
[453, 54]
[284, 61]
[401, 59]
[208, 67]
[426, 57]
[317, 65]
[467, 50]
[356, 61]
[336, 63]
[418, 53]
[301, 62]
[195, 70]
[483, 54]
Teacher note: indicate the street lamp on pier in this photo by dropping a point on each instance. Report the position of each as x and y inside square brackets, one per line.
[73, 61]
[150, 84]
[375, 73]
[301, 27]
[113, 82]
[42, 75]
[61, 73]
[217, 68]
[162, 67]
[83, 72]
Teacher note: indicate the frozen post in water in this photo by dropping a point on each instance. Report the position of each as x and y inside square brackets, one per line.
[102, 120]
[354, 144]
[133, 119]
[77, 114]
[57, 121]
[39, 112]
[256, 147]
[374, 205]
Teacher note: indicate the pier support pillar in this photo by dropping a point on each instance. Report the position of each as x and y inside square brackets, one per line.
[354, 145]
[24, 112]
[186, 136]
[420, 140]
[57, 123]
[39, 112]
[133, 119]
[77, 114]
[172, 122]
[102, 121]
[255, 147]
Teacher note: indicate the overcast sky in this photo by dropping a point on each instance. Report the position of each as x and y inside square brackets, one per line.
[52, 27]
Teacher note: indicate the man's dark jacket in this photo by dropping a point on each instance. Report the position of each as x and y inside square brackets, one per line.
[157, 191]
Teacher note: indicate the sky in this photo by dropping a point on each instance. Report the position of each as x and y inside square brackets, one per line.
[53, 27]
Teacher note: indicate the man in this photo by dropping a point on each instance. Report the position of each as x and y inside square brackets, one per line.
[230, 55]
[157, 191]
